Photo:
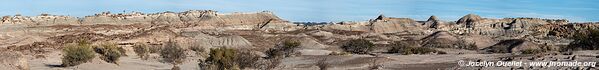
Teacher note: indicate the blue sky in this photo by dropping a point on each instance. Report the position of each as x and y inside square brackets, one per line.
[323, 10]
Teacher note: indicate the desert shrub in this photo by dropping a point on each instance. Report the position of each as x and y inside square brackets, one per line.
[285, 49]
[245, 59]
[155, 48]
[198, 49]
[221, 59]
[585, 40]
[532, 51]
[471, 46]
[75, 54]
[109, 51]
[359, 46]
[411, 48]
[172, 53]
[142, 50]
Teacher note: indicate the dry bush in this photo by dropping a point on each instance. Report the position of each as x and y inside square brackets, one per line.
[172, 53]
[584, 40]
[110, 52]
[198, 49]
[245, 59]
[155, 48]
[75, 54]
[532, 51]
[359, 46]
[407, 47]
[285, 49]
[142, 50]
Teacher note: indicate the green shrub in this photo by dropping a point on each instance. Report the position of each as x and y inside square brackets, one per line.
[585, 40]
[411, 48]
[172, 53]
[75, 54]
[359, 46]
[221, 59]
[110, 52]
[285, 49]
[142, 50]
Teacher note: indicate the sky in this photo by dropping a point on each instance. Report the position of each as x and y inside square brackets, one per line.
[323, 10]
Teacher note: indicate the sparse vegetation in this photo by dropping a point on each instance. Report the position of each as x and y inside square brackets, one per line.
[285, 49]
[142, 50]
[471, 46]
[585, 40]
[359, 46]
[406, 48]
[532, 51]
[221, 59]
[155, 48]
[75, 54]
[198, 49]
[110, 52]
[172, 53]
[245, 59]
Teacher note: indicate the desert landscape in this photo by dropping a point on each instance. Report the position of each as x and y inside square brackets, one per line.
[208, 40]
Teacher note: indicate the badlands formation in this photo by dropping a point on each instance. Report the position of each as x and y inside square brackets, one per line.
[36, 42]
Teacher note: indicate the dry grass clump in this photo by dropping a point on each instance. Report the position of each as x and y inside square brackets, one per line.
[77, 53]
[285, 49]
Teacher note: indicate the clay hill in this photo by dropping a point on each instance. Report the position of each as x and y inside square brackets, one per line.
[37, 42]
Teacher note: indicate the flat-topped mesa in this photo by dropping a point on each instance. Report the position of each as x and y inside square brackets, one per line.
[38, 20]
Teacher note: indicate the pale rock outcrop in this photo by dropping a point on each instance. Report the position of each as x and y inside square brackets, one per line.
[207, 19]
[348, 26]
[390, 25]
[44, 19]
[230, 41]
[309, 43]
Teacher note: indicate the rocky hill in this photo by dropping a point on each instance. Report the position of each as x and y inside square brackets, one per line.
[37, 41]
